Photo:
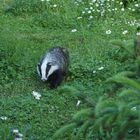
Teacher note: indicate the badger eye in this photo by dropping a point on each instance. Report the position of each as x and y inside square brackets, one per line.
[49, 64]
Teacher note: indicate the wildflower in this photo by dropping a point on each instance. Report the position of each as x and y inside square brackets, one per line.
[78, 103]
[93, 1]
[102, 13]
[83, 12]
[138, 33]
[101, 68]
[94, 71]
[89, 12]
[79, 17]
[54, 5]
[36, 95]
[121, 3]
[108, 32]
[3, 118]
[109, 10]
[90, 17]
[134, 108]
[74, 30]
[91, 8]
[97, 4]
[136, 5]
[122, 9]
[124, 32]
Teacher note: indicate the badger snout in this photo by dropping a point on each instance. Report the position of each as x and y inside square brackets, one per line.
[44, 79]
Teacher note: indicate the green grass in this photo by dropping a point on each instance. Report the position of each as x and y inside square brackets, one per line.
[25, 38]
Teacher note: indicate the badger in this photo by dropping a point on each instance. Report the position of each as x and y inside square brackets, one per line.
[53, 67]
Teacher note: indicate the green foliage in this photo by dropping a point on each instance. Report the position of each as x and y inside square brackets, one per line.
[68, 14]
[61, 132]
[6, 67]
[111, 118]
[108, 110]
[128, 45]
[20, 7]
[5, 133]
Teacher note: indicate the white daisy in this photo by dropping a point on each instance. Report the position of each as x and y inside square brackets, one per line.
[134, 108]
[3, 118]
[108, 32]
[121, 3]
[89, 12]
[122, 9]
[101, 68]
[136, 5]
[91, 8]
[79, 17]
[74, 30]
[94, 71]
[83, 12]
[54, 5]
[97, 5]
[90, 17]
[124, 32]
[93, 1]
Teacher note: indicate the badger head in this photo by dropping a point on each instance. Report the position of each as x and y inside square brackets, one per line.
[46, 69]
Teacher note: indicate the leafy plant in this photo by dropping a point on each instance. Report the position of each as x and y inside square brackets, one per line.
[20, 7]
[109, 118]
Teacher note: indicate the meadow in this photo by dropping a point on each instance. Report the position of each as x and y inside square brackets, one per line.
[97, 100]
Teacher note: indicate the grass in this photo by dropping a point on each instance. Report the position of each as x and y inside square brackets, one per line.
[25, 38]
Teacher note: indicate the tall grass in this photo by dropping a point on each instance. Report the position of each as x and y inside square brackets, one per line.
[71, 13]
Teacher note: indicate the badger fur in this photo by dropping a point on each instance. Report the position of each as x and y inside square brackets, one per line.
[54, 66]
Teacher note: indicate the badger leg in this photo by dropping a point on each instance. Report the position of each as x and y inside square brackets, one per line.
[56, 79]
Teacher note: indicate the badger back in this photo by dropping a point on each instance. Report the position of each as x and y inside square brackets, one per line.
[60, 57]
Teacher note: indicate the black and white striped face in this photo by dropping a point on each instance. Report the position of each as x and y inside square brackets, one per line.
[45, 70]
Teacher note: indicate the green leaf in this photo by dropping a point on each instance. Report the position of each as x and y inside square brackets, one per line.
[83, 129]
[67, 128]
[83, 114]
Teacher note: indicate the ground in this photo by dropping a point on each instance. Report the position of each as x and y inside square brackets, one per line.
[93, 60]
